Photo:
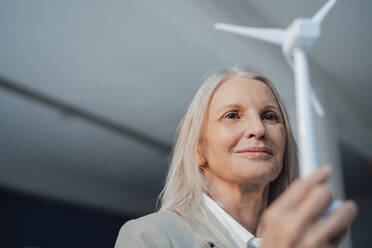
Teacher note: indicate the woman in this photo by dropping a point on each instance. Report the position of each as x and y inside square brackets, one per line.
[234, 157]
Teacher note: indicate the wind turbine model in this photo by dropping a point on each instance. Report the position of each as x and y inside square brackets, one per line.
[296, 41]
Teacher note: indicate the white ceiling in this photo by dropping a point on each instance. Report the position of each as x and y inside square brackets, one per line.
[138, 63]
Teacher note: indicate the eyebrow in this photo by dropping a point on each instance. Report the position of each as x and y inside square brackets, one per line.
[272, 107]
[238, 106]
[230, 106]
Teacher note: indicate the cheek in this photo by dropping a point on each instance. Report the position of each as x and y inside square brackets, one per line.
[219, 142]
[279, 139]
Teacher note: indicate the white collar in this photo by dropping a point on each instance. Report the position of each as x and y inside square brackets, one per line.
[241, 236]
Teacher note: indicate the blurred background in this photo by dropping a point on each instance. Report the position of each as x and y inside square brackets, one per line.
[91, 93]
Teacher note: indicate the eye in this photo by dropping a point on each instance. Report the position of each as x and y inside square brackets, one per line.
[232, 115]
[271, 116]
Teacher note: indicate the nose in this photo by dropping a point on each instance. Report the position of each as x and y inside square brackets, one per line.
[254, 128]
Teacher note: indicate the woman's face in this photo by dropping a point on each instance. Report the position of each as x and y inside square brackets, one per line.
[244, 136]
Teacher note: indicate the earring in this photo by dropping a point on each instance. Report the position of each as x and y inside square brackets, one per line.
[201, 169]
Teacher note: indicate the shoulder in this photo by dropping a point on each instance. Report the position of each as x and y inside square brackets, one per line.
[160, 229]
[166, 220]
[161, 218]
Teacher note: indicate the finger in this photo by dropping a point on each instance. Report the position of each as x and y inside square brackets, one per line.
[311, 207]
[298, 189]
[332, 229]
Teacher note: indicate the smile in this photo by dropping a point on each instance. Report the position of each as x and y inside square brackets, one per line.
[255, 152]
[255, 155]
[253, 149]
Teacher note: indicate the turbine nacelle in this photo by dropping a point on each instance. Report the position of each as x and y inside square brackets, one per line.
[302, 33]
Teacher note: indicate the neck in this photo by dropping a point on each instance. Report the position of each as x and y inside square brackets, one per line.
[245, 204]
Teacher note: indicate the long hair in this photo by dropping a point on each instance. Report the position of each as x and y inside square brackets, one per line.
[185, 184]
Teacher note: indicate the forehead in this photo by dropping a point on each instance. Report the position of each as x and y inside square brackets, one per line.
[242, 91]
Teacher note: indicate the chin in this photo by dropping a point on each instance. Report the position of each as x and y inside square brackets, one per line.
[261, 172]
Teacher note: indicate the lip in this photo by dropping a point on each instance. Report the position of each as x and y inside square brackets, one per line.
[255, 149]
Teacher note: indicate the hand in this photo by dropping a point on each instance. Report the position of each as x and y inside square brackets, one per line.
[292, 220]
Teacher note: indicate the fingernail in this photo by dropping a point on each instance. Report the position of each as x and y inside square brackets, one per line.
[352, 204]
[326, 169]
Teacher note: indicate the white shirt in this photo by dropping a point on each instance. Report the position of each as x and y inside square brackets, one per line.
[240, 235]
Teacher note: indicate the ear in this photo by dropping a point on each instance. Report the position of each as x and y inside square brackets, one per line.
[200, 156]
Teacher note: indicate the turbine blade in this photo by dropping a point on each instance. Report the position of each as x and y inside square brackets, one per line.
[319, 16]
[272, 35]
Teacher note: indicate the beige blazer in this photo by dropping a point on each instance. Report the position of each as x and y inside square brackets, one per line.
[167, 229]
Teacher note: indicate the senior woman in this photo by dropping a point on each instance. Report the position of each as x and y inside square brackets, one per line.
[230, 178]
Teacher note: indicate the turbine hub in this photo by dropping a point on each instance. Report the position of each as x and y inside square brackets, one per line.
[302, 33]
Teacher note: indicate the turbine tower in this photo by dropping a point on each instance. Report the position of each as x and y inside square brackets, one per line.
[296, 42]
